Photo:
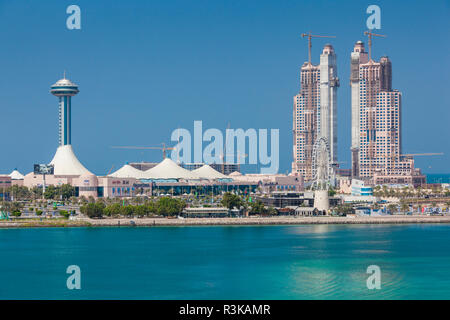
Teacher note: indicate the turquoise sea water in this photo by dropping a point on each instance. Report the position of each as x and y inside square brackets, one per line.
[236, 262]
[438, 178]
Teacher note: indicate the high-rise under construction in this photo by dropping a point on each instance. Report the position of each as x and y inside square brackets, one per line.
[376, 122]
[315, 114]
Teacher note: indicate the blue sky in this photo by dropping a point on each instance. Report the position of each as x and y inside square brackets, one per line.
[146, 68]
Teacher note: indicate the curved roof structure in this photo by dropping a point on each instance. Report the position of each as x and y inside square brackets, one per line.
[64, 83]
[168, 169]
[128, 171]
[16, 175]
[235, 174]
[64, 87]
[66, 163]
[206, 172]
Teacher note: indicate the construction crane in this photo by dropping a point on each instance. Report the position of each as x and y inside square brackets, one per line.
[310, 36]
[423, 154]
[112, 167]
[370, 34]
[371, 98]
[163, 148]
[309, 82]
[415, 155]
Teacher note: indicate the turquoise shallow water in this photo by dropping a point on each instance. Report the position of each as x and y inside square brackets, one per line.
[438, 178]
[237, 262]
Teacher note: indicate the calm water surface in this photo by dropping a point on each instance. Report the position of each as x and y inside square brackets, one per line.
[237, 262]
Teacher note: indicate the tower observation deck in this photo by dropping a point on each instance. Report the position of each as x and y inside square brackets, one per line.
[64, 89]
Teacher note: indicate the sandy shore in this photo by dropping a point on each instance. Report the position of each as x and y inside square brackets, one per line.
[82, 222]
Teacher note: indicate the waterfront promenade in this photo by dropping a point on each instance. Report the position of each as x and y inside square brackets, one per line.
[83, 222]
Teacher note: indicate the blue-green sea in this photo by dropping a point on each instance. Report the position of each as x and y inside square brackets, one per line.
[438, 178]
[233, 262]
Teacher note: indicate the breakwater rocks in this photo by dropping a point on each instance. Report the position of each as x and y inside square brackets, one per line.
[150, 222]
[269, 221]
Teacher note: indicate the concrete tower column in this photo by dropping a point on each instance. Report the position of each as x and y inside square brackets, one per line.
[329, 82]
[64, 89]
[358, 56]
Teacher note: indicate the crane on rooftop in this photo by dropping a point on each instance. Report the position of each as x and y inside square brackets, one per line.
[370, 34]
[310, 36]
[426, 154]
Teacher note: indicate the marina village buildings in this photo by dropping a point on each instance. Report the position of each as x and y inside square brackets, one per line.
[166, 177]
[376, 141]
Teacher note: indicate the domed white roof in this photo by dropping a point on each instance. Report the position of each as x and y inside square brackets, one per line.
[128, 171]
[66, 163]
[64, 82]
[206, 172]
[235, 174]
[168, 169]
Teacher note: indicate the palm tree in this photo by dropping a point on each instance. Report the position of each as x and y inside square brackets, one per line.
[392, 207]
[404, 207]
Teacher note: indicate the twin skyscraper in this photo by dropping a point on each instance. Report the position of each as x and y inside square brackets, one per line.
[375, 121]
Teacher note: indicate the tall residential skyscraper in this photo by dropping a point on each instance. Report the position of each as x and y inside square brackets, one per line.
[314, 113]
[376, 122]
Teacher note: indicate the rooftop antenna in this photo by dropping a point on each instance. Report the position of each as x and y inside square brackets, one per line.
[310, 36]
[370, 34]
[64, 74]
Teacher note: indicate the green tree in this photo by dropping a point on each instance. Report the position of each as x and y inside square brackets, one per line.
[112, 210]
[344, 209]
[141, 210]
[36, 192]
[151, 207]
[19, 192]
[392, 207]
[16, 213]
[13, 207]
[67, 191]
[331, 192]
[93, 210]
[127, 210]
[257, 207]
[64, 214]
[169, 206]
[50, 192]
[231, 201]
[404, 207]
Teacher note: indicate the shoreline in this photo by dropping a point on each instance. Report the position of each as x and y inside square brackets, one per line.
[248, 221]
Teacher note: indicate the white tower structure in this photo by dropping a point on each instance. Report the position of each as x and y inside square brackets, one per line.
[315, 115]
[65, 89]
[358, 56]
[323, 175]
[329, 82]
[65, 162]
